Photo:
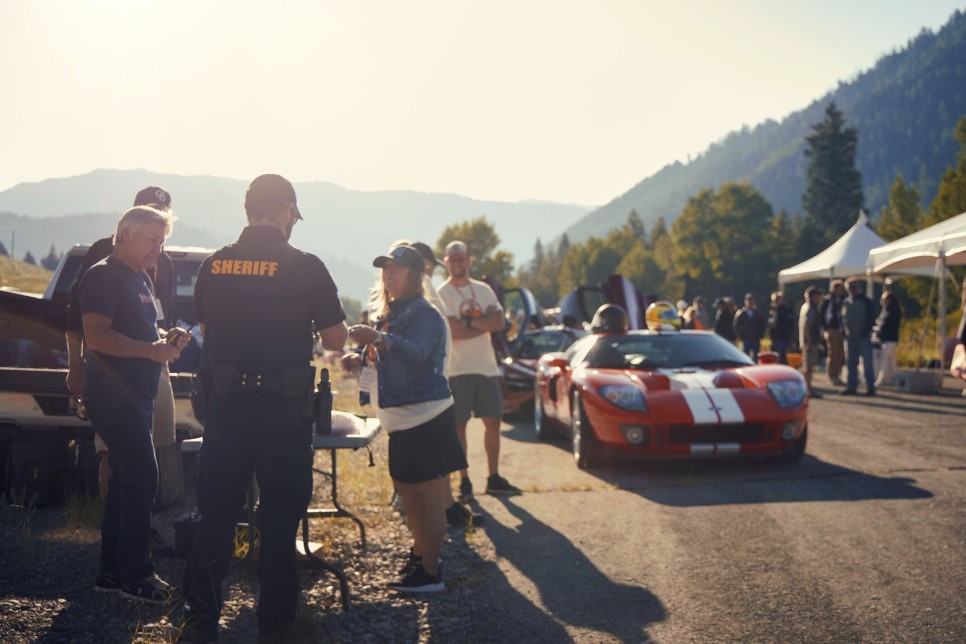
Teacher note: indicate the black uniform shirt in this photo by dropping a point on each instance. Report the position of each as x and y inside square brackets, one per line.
[260, 300]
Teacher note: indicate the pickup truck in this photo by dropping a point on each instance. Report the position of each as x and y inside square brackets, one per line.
[45, 448]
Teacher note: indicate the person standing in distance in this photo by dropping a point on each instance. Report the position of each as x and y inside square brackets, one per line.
[122, 368]
[858, 318]
[810, 335]
[260, 302]
[473, 312]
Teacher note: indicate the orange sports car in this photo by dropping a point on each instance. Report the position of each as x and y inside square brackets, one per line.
[669, 394]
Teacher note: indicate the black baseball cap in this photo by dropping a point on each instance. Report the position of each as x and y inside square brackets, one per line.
[427, 253]
[272, 187]
[153, 196]
[405, 256]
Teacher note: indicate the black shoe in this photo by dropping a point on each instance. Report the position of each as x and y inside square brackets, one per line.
[150, 590]
[466, 490]
[107, 582]
[459, 516]
[201, 632]
[419, 581]
[870, 392]
[496, 484]
[848, 392]
[413, 561]
[814, 394]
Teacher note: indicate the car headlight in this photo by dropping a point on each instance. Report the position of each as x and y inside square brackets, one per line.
[624, 396]
[788, 393]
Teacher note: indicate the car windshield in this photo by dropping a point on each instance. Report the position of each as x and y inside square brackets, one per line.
[535, 344]
[664, 351]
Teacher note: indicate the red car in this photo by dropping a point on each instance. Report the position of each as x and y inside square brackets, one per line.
[669, 394]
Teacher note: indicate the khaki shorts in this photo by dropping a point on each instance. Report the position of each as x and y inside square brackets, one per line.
[476, 395]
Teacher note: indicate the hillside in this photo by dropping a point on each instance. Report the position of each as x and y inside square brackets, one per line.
[905, 108]
[346, 228]
[23, 277]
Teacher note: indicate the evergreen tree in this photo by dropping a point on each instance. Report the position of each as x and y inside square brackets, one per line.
[951, 198]
[833, 191]
[636, 226]
[3, 250]
[51, 260]
[903, 215]
[28, 258]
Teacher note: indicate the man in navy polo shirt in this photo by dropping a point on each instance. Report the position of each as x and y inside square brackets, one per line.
[122, 368]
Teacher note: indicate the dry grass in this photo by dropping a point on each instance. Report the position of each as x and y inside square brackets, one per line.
[24, 277]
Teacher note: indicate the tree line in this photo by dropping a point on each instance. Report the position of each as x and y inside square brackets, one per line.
[730, 241]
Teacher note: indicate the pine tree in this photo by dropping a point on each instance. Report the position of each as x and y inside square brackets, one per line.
[51, 260]
[903, 215]
[28, 258]
[951, 197]
[833, 191]
[3, 250]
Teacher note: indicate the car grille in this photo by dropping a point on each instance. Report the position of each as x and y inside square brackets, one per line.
[738, 433]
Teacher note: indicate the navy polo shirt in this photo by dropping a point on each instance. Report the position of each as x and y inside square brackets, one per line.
[261, 300]
[112, 289]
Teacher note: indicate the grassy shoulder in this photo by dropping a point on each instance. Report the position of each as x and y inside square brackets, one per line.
[22, 276]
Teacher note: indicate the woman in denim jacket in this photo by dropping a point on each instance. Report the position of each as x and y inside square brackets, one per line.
[412, 400]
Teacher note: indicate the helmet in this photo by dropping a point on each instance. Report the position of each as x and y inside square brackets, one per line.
[662, 315]
[609, 318]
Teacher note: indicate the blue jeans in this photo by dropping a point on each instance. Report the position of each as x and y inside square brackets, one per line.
[781, 348]
[751, 347]
[861, 346]
[123, 421]
[267, 437]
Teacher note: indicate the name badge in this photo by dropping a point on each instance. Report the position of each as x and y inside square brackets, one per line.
[158, 309]
[366, 378]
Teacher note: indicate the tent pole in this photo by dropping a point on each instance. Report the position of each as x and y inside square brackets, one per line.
[941, 313]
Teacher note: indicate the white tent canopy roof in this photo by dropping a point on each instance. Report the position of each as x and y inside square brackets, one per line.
[947, 239]
[847, 257]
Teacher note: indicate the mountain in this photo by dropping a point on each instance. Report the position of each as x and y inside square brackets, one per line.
[905, 109]
[345, 228]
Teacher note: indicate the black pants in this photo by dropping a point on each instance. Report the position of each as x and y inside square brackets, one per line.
[267, 437]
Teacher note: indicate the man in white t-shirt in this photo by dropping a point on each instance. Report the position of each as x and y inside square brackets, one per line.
[473, 312]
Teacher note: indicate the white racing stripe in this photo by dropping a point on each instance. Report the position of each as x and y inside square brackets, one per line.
[708, 404]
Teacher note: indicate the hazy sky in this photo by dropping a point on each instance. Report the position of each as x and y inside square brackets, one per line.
[559, 100]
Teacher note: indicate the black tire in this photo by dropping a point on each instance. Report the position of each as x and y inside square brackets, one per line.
[586, 449]
[541, 426]
[797, 450]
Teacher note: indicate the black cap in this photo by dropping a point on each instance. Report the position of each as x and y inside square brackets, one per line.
[405, 256]
[812, 290]
[427, 253]
[272, 187]
[153, 196]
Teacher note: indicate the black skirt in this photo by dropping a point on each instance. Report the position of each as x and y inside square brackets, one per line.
[426, 452]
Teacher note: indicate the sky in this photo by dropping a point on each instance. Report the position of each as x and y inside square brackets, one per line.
[557, 100]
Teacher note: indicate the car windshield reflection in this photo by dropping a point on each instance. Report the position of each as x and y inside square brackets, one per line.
[664, 351]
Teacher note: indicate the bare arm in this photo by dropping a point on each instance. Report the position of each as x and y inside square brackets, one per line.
[333, 337]
[99, 336]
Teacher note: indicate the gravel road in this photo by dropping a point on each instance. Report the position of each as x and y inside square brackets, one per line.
[861, 541]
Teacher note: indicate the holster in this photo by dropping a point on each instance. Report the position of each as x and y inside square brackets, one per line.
[199, 402]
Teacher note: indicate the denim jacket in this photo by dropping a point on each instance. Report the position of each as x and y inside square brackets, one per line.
[411, 360]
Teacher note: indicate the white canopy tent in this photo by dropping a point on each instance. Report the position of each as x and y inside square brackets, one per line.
[847, 257]
[933, 248]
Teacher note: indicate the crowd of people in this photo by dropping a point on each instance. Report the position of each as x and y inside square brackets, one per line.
[264, 308]
[824, 324]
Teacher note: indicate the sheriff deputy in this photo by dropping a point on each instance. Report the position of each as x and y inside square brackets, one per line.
[260, 302]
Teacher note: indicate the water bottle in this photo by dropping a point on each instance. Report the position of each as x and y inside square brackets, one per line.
[323, 405]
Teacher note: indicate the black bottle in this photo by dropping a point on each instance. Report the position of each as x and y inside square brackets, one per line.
[323, 405]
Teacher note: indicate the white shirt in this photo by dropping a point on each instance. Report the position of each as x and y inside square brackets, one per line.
[471, 355]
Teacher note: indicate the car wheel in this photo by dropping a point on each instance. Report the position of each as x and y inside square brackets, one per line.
[797, 450]
[540, 425]
[586, 449]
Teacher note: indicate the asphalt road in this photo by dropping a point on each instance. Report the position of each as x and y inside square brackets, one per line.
[864, 540]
